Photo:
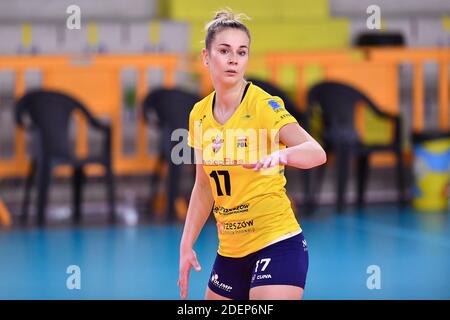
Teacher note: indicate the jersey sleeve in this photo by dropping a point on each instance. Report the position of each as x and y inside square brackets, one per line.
[273, 115]
[194, 136]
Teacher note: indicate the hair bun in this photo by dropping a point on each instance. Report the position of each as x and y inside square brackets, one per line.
[223, 19]
[225, 14]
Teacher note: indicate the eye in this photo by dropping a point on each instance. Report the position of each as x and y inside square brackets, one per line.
[223, 51]
[242, 53]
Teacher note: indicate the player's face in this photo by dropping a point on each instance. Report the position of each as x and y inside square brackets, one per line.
[227, 58]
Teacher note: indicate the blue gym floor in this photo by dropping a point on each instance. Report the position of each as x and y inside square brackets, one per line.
[412, 250]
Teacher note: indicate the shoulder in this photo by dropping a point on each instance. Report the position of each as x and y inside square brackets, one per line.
[201, 106]
[262, 101]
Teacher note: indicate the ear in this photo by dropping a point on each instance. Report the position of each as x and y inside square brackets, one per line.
[205, 57]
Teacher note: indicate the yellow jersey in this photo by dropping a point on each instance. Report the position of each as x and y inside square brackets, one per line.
[251, 208]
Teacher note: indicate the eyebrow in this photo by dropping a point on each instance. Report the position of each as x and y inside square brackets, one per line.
[227, 45]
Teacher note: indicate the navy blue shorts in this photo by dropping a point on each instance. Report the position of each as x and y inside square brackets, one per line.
[282, 263]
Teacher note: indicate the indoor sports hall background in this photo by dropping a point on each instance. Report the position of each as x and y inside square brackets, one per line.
[376, 216]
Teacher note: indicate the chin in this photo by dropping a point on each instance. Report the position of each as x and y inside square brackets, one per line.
[230, 81]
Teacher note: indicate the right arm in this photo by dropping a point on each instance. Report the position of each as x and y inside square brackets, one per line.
[199, 209]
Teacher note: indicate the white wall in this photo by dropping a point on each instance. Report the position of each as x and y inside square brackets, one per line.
[45, 10]
[122, 37]
[357, 8]
[420, 21]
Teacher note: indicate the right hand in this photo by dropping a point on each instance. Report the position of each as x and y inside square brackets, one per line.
[188, 259]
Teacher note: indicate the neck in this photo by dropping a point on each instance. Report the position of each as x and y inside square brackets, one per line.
[229, 98]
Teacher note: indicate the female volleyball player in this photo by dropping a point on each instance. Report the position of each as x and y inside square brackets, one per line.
[243, 137]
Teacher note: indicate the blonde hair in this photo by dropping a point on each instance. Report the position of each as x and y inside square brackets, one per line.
[225, 19]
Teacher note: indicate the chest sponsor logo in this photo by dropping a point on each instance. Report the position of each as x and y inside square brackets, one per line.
[226, 211]
[231, 147]
[217, 143]
[224, 162]
[236, 227]
[242, 142]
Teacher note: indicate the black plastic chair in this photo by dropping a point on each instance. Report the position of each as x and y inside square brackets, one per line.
[50, 112]
[338, 102]
[172, 107]
[380, 39]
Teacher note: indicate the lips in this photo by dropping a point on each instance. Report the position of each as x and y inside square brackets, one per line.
[231, 72]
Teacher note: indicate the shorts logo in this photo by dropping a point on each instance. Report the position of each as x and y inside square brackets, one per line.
[305, 245]
[261, 277]
[215, 281]
[261, 266]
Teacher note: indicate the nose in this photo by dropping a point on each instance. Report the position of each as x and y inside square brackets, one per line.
[232, 60]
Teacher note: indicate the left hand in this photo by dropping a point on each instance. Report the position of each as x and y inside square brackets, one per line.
[274, 159]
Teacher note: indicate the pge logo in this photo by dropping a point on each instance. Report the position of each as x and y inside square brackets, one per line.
[275, 105]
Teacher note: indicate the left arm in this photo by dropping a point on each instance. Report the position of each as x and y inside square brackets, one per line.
[302, 151]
